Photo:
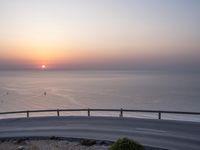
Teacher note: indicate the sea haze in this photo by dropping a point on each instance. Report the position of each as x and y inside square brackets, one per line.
[24, 90]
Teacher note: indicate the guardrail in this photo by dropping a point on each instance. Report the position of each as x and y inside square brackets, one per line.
[121, 111]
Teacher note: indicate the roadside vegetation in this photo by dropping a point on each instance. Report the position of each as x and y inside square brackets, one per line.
[126, 144]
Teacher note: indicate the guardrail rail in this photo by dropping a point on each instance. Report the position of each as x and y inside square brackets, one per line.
[89, 111]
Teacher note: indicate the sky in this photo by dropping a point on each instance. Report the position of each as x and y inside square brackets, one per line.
[100, 34]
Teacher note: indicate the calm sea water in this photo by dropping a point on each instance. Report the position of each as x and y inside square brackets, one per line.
[24, 90]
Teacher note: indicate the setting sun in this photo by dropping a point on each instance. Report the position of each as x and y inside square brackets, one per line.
[43, 66]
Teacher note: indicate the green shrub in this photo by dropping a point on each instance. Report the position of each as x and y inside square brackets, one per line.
[126, 144]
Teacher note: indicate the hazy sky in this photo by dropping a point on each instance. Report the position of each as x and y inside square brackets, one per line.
[100, 34]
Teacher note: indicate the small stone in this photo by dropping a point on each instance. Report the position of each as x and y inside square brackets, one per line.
[15, 142]
[87, 142]
[67, 142]
[106, 143]
[20, 148]
[54, 138]
[21, 141]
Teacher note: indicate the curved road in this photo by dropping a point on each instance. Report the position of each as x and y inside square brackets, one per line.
[173, 135]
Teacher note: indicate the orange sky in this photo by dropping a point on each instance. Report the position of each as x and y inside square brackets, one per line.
[84, 33]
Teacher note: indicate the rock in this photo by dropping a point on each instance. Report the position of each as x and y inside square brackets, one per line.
[54, 138]
[15, 142]
[106, 143]
[3, 140]
[20, 141]
[20, 148]
[98, 142]
[87, 142]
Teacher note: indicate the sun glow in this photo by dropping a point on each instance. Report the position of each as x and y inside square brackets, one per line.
[43, 66]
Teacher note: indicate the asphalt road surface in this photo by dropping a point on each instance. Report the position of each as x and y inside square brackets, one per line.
[173, 135]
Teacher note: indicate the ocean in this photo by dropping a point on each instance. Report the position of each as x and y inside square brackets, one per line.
[152, 90]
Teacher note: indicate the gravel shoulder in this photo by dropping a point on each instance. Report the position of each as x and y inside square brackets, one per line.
[48, 145]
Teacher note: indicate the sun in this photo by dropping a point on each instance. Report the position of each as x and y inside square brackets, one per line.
[43, 66]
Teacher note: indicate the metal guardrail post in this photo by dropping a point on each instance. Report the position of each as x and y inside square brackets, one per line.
[88, 112]
[121, 113]
[58, 113]
[159, 115]
[27, 114]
